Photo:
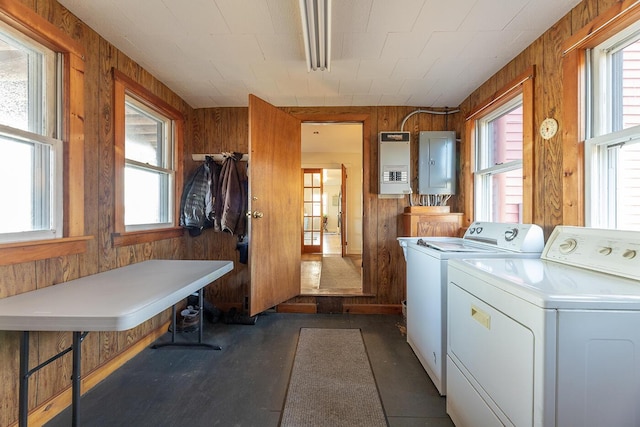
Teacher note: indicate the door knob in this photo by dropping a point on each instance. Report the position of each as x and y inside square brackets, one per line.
[257, 214]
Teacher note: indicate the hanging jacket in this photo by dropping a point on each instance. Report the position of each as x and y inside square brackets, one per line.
[197, 202]
[230, 201]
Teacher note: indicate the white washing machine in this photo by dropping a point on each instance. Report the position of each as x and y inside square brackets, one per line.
[547, 342]
[427, 259]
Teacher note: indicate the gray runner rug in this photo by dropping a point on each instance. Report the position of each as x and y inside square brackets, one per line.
[331, 382]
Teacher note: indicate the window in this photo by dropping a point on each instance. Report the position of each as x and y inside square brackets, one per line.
[148, 170]
[30, 148]
[498, 164]
[612, 147]
[43, 122]
[500, 153]
[149, 173]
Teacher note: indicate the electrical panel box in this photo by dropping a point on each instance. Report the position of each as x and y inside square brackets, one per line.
[437, 162]
[395, 163]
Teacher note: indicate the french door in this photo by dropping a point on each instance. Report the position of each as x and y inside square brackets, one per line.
[312, 215]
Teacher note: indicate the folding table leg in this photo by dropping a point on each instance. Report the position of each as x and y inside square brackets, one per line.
[23, 403]
[75, 380]
[200, 342]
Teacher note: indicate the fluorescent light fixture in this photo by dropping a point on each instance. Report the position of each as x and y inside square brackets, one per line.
[316, 28]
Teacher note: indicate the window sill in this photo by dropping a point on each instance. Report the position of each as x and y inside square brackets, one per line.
[137, 237]
[17, 252]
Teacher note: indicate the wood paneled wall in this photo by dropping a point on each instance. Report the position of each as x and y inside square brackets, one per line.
[546, 54]
[103, 347]
[225, 129]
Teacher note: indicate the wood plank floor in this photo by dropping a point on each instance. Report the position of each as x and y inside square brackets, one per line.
[245, 383]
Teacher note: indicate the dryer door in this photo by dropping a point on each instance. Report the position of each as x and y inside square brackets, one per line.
[494, 352]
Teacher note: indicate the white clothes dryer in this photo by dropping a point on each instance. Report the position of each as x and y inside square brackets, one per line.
[547, 342]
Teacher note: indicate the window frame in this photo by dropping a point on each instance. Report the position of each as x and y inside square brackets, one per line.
[73, 240]
[602, 141]
[575, 49]
[483, 172]
[42, 133]
[522, 85]
[125, 86]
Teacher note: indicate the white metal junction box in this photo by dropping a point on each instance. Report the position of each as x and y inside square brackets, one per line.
[437, 162]
[395, 163]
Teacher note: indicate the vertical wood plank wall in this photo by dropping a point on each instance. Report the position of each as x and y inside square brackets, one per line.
[225, 129]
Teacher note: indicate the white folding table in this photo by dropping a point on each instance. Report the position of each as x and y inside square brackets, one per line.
[115, 300]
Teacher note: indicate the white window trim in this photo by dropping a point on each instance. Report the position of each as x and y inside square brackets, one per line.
[45, 117]
[481, 207]
[168, 167]
[596, 171]
[56, 196]
[598, 212]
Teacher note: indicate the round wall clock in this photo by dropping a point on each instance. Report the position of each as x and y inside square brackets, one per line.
[548, 128]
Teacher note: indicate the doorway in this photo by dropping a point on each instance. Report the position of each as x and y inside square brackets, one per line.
[335, 149]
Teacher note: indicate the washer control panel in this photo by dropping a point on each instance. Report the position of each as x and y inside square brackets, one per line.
[505, 235]
[615, 252]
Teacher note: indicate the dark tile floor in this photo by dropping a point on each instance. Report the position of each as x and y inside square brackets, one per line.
[245, 383]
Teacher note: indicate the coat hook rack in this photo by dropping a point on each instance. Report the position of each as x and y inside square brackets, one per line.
[218, 157]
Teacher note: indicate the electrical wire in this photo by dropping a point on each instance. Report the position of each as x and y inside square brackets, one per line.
[426, 112]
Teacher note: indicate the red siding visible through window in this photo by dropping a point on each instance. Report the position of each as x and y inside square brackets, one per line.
[507, 187]
[628, 171]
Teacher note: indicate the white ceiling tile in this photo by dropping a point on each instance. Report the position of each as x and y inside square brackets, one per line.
[267, 70]
[413, 87]
[363, 45]
[293, 87]
[390, 16]
[393, 100]
[489, 15]
[246, 16]
[350, 87]
[403, 45]
[230, 87]
[427, 51]
[298, 71]
[375, 68]
[323, 87]
[413, 68]
[310, 100]
[198, 16]
[350, 16]
[486, 44]
[338, 101]
[233, 71]
[386, 86]
[283, 100]
[445, 44]
[344, 69]
[438, 15]
[545, 14]
[285, 16]
[281, 47]
[336, 45]
[155, 22]
[360, 100]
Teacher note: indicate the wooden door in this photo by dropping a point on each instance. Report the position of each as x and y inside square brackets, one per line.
[274, 204]
[343, 210]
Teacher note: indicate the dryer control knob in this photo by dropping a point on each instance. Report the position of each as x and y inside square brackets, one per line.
[510, 234]
[605, 250]
[629, 254]
[568, 246]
